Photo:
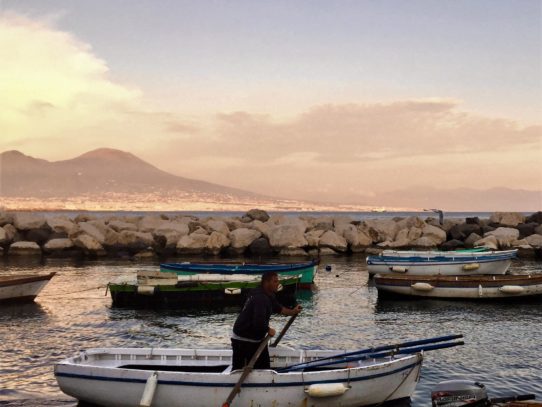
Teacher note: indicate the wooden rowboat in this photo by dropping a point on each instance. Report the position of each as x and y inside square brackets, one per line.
[306, 269]
[460, 287]
[127, 377]
[21, 288]
[166, 289]
[428, 263]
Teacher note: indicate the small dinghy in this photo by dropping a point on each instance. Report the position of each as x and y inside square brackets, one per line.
[457, 393]
[460, 287]
[22, 288]
[127, 377]
[425, 263]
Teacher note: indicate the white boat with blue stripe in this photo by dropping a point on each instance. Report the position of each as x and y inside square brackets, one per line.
[128, 377]
[425, 263]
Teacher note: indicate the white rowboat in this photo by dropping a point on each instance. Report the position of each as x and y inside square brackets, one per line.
[20, 288]
[128, 377]
[460, 287]
[426, 263]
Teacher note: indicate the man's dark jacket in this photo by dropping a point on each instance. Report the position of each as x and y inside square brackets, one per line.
[253, 321]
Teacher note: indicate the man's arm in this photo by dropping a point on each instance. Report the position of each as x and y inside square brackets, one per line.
[291, 311]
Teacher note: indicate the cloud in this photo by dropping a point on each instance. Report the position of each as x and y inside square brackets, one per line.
[52, 86]
[353, 132]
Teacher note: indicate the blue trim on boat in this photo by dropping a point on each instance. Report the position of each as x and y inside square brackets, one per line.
[237, 268]
[389, 261]
[202, 384]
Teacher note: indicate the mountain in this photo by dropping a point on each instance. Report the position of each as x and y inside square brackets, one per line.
[96, 172]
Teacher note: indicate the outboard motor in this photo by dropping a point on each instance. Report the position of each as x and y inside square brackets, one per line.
[455, 393]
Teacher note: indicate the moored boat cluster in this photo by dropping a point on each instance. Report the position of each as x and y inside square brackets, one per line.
[257, 233]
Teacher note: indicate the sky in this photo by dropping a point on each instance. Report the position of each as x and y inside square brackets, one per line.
[328, 100]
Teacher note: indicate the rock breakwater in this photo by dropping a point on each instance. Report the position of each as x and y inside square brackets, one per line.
[256, 234]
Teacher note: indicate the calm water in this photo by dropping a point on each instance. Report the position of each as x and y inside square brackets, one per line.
[502, 347]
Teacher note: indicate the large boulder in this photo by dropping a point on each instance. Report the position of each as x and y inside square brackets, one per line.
[489, 242]
[381, 230]
[504, 236]
[463, 230]
[5, 217]
[260, 247]
[289, 235]
[261, 227]
[217, 242]
[436, 234]
[313, 237]
[452, 245]
[24, 249]
[62, 225]
[471, 239]
[3, 236]
[192, 244]
[89, 245]
[425, 242]
[534, 240]
[526, 229]
[412, 221]
[58, 247]
[333, 241]
[39, 236]
[324, 223]
[150, 223]
[402, 239]
[119, 226]
[534, 218]
[218, 226]
[242, 238]
[11, 233]
[28, 220]
[507, 218]
[283, 220]
[135, 241]
[258, 214]
[91, 230]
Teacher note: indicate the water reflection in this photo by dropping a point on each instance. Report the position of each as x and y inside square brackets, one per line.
[72, 313]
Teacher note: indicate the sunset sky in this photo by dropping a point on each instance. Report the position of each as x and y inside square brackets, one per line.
[301, 99]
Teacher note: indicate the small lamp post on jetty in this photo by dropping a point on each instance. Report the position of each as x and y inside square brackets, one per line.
[440, 215]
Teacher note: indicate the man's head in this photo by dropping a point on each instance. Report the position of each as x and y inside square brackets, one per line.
[270, 282]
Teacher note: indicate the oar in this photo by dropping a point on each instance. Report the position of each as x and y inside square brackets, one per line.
[383, 348]
[290, 321]
[370, 356]
[246, 371]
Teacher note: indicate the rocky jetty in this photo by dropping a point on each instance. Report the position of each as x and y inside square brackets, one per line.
[257, 234]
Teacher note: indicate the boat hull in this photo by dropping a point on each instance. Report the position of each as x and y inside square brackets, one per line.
[22, 288]
[190, 294]
[436, 263]
[307, 270]
[461, 287]
[365, 385]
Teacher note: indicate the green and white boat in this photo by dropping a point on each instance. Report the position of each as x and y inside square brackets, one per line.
[306, 269]
[167, 289]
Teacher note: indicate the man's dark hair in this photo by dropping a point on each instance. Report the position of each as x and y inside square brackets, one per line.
[268, 276]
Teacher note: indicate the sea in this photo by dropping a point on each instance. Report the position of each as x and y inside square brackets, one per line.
[74, 313]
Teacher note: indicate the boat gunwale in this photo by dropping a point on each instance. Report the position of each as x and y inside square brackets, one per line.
[19, 279]
[387, 362]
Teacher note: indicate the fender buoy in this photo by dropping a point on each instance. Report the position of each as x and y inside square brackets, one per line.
[398, 269]
[511, 289]
[148, 391]
[146, 289]
[471, 266]
[422, 286]
[326, 389]
[232, 291]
